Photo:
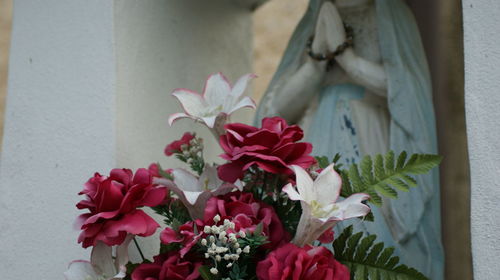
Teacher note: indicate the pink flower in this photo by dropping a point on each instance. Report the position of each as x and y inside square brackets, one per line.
[247, 213]
[155, 171]
[290, 262]
[112, 203]
[175, 146]
[327, 236]
[273, 148]
[168, 266]
[184, 235]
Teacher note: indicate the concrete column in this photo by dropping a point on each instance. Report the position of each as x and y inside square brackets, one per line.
[482, 100]
[89, 85]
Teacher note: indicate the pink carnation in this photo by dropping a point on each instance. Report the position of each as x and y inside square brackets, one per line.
[113, 201]
[168, 266]
[290, 262]
[184, 235]
[175, 147]
[273, 148]
[247, 213]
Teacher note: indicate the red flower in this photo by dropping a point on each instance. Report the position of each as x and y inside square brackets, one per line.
[113, 202]
[273, 148]
[309, 263]
[168, 266]
[242, 209]
[175, 147]
[185, 235]
[155, 171]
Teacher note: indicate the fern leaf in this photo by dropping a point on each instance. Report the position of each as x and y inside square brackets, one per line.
[379, 263]
[380, 177]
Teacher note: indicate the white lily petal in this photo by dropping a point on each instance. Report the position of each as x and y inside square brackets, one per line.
[241, 85]
[327, 186]
[209, 179]
[192, 197]
[192, 103]
[122, 254]
[217, 90]
[177, 116]
[223, 189]
[102, 259]
[304, 184]
[352, 207]
[185, 180]
[209, 121]
[291, 192]
[244, 102]
[80, 270]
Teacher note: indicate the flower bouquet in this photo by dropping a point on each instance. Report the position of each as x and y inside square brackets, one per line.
[269, 212]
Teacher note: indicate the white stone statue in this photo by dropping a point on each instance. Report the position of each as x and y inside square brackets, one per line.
[376, 97]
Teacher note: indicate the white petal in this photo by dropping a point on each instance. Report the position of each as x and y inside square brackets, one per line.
[209, 121]
[102, 259]
[217, 90]
[209, 179]
[241, 85]
[244, 102]
[304, 184]
[223, 189]
[185, 180]
[122, 254]
[80, 270]
[192, 103]
[327, 186]
[192, 197]
[177, 116]
[291, 192]
[352, 207]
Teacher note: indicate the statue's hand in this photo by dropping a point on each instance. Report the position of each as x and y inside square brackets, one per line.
[330, 32]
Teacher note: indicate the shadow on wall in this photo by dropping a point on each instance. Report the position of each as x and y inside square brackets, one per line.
[5, 27]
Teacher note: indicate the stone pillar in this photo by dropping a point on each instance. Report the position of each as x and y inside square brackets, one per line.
[482, 100]
[88, 90]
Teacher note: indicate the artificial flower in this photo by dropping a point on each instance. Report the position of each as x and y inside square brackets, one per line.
[193, 191]
[187, 234]
[290, 262]
[273, 147]
[112, 203]
[218, 100]
[176, 146]
[102, 265]
[320, 209]
[247, 213]
[154, 170]
[169, 266]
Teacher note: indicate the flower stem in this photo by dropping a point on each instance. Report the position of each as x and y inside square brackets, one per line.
[139, 249]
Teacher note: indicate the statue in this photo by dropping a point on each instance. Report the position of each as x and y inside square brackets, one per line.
[366, 95]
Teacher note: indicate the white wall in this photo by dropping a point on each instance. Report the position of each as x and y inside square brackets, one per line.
[88, 91]
[482, 100]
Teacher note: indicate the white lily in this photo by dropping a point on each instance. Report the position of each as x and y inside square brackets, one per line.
[102, 266]
[193, 191]
[320, 209]
[218, 100]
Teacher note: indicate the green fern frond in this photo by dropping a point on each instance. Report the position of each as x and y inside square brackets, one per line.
[369, 260]
[384, 175]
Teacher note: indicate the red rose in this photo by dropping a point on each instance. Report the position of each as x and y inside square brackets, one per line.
[168, 266]
[242, 209]
[309, 263]
[175, 147]
[273, 148]
[113, 202]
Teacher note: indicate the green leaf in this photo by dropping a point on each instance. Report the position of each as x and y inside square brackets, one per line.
[379, 263]
[380, 176]
[322, 161]
[206, 274]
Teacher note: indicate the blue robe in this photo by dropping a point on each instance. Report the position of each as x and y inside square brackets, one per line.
[415, 230]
